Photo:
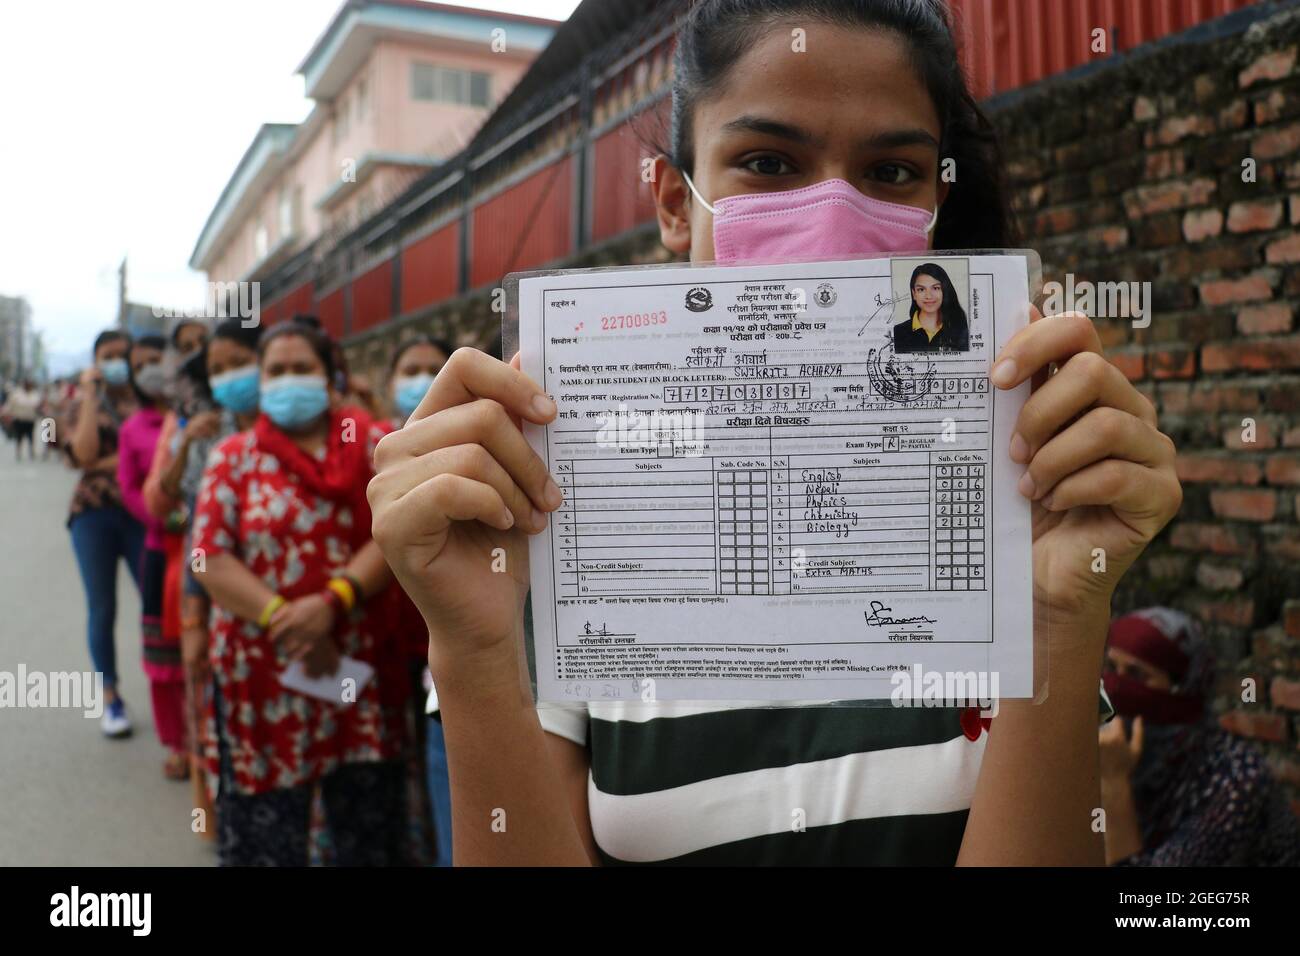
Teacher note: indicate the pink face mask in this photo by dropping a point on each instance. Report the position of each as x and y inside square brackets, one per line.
[828, 220]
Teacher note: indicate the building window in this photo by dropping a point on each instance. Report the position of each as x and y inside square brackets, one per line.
[289, 204]
[261, 243]
[446, 85]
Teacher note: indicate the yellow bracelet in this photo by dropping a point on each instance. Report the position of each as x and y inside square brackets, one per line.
[347, 594]
[273, 605]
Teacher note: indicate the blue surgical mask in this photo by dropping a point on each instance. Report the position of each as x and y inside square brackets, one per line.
[115, 371]
[410, 391]
[294, 401]
[236, 389]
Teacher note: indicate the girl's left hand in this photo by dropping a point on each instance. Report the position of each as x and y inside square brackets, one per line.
[1100, 474]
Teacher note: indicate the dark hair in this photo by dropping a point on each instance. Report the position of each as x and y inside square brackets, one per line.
[234, 330]
[444, 347]
[716, 33]
[109, 335]
[320, 344]
[951, 313]
[150, 340]
[175, 337]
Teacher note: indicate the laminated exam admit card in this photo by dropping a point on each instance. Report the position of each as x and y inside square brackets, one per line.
[779, 483]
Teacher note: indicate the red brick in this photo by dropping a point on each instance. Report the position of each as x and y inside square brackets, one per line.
[1264, 319]
[1233, 116]
[1180, 127]
[1256, 724]
[1291, 618]
[1271, 66]
[1175, 362]
[1265, 436]
[1214, 397]
[1201, 224]
[1175, 194]
[1234, 612]
[1244, 505]
[1256, 354]
[1295, 209]
[1215, 538]
[1283, 250]
[1173, 398]
[1251, 288]
[1283, 543]
[1218, 577]
[1285, 693]
[1283, 470]
[1276, 143]
[1278, 104]
[1257, 216]
[1132, 362]
[1163, 165]
[1216, 469]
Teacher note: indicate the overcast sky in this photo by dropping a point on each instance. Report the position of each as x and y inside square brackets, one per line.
[122, 123]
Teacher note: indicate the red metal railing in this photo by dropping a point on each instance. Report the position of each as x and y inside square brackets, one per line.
[1012, 43]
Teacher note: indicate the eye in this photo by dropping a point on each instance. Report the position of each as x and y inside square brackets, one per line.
[894, 174]
[769, 166]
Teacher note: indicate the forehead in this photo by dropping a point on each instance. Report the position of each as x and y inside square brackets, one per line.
[290, 348]
[849, 83]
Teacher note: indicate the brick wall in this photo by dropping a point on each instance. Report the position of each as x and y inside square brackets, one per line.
[1134, 173]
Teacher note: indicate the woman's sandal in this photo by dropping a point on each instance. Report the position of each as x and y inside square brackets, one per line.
[177, 766]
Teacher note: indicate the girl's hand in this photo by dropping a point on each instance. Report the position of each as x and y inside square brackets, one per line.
[455, 494]
[1101, 475]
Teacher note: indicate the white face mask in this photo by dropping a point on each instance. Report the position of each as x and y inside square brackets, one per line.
[151, 380]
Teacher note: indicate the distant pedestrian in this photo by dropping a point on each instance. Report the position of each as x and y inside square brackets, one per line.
[23, 406]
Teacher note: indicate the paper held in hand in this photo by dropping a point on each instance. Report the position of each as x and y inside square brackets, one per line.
[785, 482]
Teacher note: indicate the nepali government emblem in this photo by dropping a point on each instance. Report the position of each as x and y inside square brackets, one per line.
[699, 300]
[825, 295]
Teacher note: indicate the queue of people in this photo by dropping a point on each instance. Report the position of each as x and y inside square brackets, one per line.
[227, 469]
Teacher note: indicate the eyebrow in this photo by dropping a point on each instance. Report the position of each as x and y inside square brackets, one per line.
[797, 134]
[768, 127]
[900, 137]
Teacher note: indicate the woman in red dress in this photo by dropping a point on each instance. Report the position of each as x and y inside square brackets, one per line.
[283, 526]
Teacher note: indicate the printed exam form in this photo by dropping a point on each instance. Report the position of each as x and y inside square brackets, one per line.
[778, 486]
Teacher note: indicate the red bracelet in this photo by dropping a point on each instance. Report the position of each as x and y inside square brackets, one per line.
[335, 602]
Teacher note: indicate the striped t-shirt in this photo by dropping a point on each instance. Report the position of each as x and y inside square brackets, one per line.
[679, 783]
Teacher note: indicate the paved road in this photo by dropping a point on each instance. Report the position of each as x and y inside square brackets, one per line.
[68, 795]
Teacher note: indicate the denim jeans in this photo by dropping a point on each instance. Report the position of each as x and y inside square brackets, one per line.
[439, 791]
[100, 537]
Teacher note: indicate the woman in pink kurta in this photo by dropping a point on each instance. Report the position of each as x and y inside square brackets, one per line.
[136, 444]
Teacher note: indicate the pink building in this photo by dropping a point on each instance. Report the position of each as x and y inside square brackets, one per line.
[399, 86]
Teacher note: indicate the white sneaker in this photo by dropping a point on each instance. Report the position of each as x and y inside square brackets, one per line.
[115, 722]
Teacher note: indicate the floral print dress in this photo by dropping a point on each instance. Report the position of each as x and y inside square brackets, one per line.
[294, 540]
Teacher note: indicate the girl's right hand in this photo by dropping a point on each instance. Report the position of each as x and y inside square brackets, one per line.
[455, 494]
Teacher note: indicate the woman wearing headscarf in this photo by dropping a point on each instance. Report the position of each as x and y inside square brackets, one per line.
[283, 525]
[1177, 789]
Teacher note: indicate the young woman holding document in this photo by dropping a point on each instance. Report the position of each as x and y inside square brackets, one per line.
[836, 144]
